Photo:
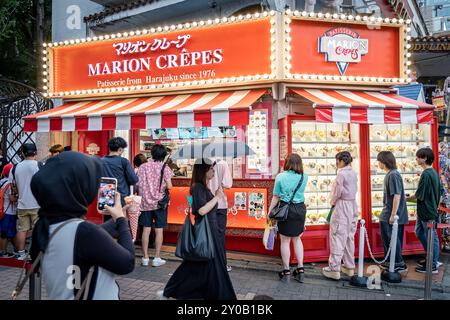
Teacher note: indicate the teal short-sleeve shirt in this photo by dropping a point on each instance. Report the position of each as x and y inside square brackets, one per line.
[285, 184]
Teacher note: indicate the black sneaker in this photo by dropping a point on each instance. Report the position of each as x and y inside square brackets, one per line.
[424, 270]
[9, 255]
[423, 263]
[401, 269]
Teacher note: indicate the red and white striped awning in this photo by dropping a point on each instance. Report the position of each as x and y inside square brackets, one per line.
[188, 110]
[345, 106]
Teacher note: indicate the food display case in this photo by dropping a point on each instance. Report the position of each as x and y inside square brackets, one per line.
[318, 144]
[403, 140]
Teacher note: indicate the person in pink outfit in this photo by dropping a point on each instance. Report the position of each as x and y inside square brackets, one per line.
[343, 220]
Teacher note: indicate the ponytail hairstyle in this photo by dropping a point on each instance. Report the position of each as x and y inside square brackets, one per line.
[344, 156]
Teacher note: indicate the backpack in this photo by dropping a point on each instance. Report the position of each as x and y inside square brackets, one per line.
[3, 193]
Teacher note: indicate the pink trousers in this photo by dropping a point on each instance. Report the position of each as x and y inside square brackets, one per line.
[342, 235]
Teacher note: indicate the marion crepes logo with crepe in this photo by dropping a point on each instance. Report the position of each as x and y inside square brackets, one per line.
[343, 46]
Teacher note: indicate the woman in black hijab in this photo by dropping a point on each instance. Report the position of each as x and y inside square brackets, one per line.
[64, 188]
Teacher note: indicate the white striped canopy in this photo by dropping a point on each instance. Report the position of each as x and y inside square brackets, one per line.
[345, 106]
[213, 109]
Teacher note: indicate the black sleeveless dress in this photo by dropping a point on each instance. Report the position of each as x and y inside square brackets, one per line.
[202, 280]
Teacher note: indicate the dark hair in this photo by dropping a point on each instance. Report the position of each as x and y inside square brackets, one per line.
[29, 149]
[344, 156]
[57, 148]
[158, 152]
[293, 162]
[139, 159]
[201, 167]
[426, 153]
[387, 158]
[116, 143]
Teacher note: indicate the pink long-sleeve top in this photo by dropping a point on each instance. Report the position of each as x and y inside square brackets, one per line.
[345, 186]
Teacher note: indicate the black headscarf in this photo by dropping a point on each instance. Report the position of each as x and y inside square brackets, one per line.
[63, 188]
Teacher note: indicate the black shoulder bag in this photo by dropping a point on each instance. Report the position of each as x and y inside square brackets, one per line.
[281, 211]
[164, 201]
[195, 242]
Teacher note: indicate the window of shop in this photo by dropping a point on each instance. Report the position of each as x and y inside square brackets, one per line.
[402, 140]
[318, 144]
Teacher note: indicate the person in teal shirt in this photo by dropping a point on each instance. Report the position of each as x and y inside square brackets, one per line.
[291, 229]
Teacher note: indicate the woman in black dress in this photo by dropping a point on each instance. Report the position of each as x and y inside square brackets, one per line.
[208, 279]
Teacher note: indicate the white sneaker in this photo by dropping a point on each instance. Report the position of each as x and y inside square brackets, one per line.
[145, 262]
[439, 264]
[22, 256]
[157, 262]
[229, 268]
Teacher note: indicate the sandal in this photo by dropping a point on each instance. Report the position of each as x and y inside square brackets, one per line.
[283, 274]
[299, 274]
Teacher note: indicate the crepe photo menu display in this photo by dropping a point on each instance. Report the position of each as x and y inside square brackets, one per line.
[258, 142]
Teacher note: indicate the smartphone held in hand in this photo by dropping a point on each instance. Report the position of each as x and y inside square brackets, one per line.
[106, 193]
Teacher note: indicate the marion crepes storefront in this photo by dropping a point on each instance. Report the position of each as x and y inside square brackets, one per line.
[308, 83]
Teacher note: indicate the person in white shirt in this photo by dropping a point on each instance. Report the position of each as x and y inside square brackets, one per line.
[27, 207]
[224, 180]
[8, 222]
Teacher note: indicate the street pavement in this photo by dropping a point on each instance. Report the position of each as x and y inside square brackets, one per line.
[257, 275]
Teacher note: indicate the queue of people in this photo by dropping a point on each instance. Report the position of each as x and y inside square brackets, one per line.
[53, 206]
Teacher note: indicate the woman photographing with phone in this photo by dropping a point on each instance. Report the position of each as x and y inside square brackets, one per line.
[67, 240]
[206, 279]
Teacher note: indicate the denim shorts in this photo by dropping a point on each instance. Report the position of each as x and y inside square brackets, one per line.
[8, 226]
[153, 219]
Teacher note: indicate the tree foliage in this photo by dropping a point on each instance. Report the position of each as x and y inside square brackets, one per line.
[18, 38]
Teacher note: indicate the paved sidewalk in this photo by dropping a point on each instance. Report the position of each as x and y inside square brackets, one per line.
[250, 279]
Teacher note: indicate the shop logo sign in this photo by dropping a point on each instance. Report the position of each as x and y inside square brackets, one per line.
[93, 149]
[343, 46]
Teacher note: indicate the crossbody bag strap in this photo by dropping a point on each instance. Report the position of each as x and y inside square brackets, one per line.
[296, 189]
[85, 285]
[21, 282]
[162, 175]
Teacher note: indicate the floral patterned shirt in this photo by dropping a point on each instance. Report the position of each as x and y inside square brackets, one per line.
[149, 175]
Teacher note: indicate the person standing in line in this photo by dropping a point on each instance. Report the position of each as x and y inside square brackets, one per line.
[343, 220]
[8, 229]
[152, 215]
[54, 150]
[3, 160]
[27, 207]
[394, 203]
[222, 179]
[116, 166]
[207, 280]
[428, 195]
[139, 160]
[291, 229]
